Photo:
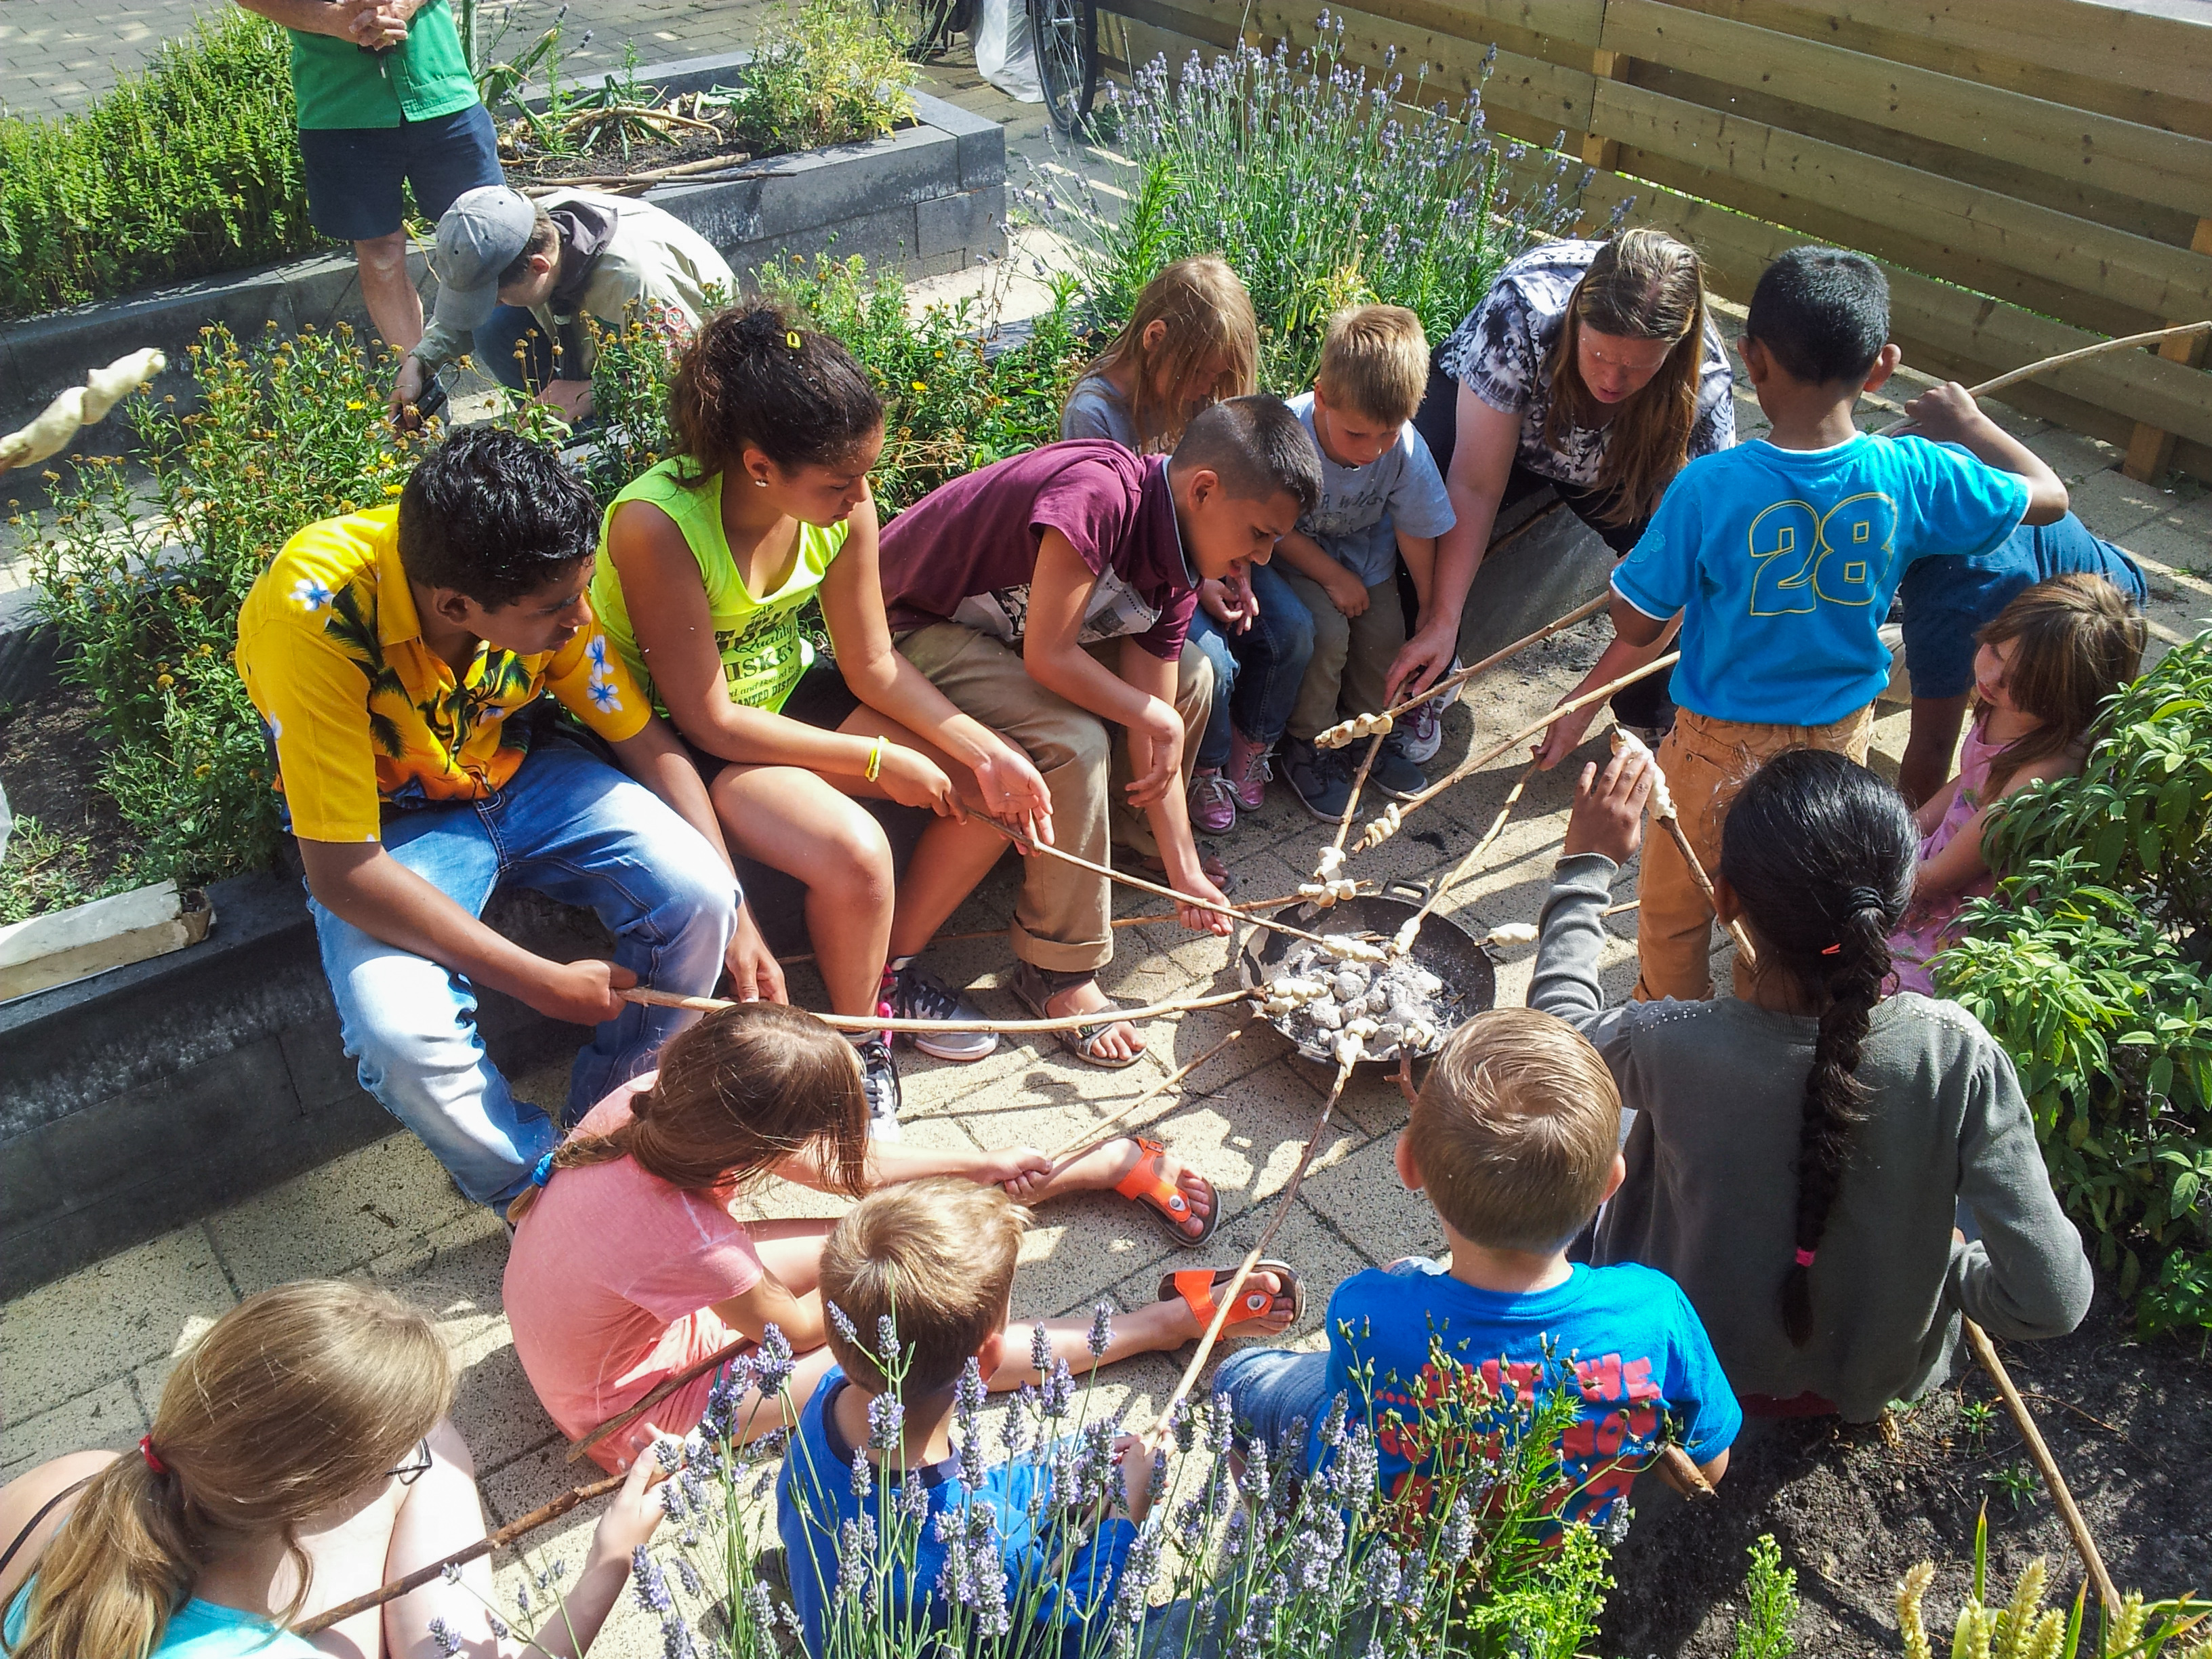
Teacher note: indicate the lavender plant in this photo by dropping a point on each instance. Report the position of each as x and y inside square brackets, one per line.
[1247, 1557]
[1322, 188]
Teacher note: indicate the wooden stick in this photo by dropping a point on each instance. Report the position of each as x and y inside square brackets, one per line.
[1736, 930]
[653, 176]
[1004, 1027]
[1984, 1350]
[1359, 783]
[1618, 909]
[2045, 365]
[1226, 1300]
[1691, 1479]
[484, 1546]
[1097, 1134]
[1282, 903]
[1580, 613]
[658, 1392]
[1467, 769]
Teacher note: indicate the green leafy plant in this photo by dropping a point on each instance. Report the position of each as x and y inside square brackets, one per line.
[2089, 965]
[1768, 1627]
[2018, 1483]
[826, 74]
[188, 168]
[1321, 189]
[41, 870]
[2022, 1627]
[1976, 1417]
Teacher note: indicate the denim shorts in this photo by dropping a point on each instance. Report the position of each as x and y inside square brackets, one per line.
[1271, 1390]
[353, 173]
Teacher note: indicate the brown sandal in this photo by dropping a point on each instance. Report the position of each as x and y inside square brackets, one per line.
[1147, 1184]
[1196, 1287]
[1033, 990]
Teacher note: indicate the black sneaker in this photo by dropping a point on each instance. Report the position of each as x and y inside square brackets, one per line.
[1394, 774]
[1317, 778]
[910, 993]
[880, 1077]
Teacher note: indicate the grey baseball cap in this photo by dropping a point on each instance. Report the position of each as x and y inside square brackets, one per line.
[479, 237]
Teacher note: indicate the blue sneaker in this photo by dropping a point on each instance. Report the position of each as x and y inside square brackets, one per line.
[1318, 777]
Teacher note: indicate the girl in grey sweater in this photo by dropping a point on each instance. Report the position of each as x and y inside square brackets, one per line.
[1796, 1160]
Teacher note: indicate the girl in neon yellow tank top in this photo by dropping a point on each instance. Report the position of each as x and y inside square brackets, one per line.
[704, 565]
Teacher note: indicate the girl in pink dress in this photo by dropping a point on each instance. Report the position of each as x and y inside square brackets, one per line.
[2045, 664]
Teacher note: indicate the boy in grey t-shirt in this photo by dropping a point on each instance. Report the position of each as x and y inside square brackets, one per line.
[1382, 501]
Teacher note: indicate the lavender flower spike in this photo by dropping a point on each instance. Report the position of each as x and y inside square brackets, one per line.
[447, 1638]
[646, 1579]
[1102, 1330]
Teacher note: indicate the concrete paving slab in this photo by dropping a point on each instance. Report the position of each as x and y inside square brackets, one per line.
[96, 1327]
[106, 1418]
[340, 1216]
[1362, 1199]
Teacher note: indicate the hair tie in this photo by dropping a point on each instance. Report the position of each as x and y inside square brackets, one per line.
[1863, 898]
[791, 339]
[146, 1451]
[1805, 1257]
[1830, 950]
[542, 1171]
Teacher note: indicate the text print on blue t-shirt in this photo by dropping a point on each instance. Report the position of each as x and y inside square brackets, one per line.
[1805, 557]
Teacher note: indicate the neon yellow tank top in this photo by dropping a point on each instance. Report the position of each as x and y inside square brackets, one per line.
[763, 652]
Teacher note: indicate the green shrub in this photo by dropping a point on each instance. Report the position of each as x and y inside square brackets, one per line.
[191, 167]
[1321, 190]
[2090, 966]
[828, 73]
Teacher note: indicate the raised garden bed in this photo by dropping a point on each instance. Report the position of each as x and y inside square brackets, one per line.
[926, 199]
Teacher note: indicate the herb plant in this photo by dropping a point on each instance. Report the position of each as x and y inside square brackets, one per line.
[2090, 966]
[1320, 188]
[826, 74]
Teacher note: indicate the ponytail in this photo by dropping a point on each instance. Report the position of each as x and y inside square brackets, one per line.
[752, 378]
[736, 1095]
[297, 1399]
[1822, 853]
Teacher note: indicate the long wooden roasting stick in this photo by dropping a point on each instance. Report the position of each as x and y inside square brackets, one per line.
[1984, 1350]
[1337, 735]
[1381, 830]
[1662, 809]
[2013, 377]
[1020, 1027]
[1282, 903]
[1226, 1302]
[1402, 944]
[484, 1546]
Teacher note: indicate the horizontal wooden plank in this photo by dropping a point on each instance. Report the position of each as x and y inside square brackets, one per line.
[1988, 64]
[1945, 328]
[2092, 260]
[2077, 145]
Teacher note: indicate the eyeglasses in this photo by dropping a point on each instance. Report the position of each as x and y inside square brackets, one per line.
[415, 1467]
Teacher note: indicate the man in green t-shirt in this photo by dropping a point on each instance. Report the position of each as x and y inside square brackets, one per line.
[384, 98]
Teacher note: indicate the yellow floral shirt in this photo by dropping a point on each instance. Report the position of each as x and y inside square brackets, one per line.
[363, 712]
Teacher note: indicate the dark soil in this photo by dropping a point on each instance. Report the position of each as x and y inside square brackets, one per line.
[49, 760]
[2129, 1421]
[608, 160]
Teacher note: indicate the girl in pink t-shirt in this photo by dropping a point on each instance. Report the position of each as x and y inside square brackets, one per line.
[629, 1264]
[2050, 657]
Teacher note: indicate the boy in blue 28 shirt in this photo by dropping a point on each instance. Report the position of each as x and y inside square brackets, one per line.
[1515, 1138]
[1781, 557]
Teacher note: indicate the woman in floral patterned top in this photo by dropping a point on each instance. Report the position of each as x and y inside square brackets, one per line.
[1591, 366]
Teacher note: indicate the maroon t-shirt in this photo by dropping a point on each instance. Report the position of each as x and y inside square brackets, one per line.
[966, 552]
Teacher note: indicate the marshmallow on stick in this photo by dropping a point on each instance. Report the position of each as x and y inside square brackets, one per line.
[79, 406]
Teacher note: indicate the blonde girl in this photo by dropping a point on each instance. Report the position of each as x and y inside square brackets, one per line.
[1192, 340]
[301, 1456]
[2042, 668]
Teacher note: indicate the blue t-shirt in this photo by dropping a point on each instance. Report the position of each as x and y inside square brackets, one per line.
[197, 1630]
[1784, 562]
[1625, 1337]
[1363, 508]
[1949, 598]
[814, 1500]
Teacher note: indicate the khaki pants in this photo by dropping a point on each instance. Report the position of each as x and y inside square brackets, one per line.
[1352, 655]
[1705, 762]
[1062, 919]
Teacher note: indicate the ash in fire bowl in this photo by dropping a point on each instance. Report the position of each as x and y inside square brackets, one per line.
[1317, 995]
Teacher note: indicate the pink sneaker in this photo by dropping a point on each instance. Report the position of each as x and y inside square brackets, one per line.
[1212, 802]
[1248, 771]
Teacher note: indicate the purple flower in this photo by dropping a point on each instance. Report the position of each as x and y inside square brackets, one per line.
[688, 1576]
[1058, 1392]
[1040, 1349]
[447, 1638]
[887, 1342]
[1102, 1330]
[886, 1417]
[842, 1322]
[647, 1581]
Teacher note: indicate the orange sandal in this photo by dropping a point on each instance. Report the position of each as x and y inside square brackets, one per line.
[1147, 1184]
[1196, 1287]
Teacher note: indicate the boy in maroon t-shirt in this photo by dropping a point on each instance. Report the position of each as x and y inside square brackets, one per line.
[1049, 596]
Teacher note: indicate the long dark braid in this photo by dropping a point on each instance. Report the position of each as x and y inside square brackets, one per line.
[1822, 852]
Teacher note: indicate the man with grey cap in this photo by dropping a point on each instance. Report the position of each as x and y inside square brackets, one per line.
[517, 278]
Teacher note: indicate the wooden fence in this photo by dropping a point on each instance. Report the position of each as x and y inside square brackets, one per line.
[2033, 175]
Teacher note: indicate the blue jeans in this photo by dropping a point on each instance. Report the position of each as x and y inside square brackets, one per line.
[1271, 1391]
[512, 329]
[573, 828]
[1257, 673]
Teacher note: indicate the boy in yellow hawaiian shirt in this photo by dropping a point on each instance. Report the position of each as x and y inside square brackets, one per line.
[397, 658]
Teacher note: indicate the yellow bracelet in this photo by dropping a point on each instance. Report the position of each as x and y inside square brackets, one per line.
[875, 759]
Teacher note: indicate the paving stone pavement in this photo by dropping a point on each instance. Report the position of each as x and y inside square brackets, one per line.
[84, 1358]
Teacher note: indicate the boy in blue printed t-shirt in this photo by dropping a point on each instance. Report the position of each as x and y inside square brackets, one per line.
[1515, 1138]
[1781, 557]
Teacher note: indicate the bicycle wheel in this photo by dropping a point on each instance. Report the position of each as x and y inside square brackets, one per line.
[919, 27]
[1066, 35]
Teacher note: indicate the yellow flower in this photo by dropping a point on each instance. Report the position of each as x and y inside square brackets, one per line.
[921, 387]
[393, 490]
[165, 682]
[356, 403]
